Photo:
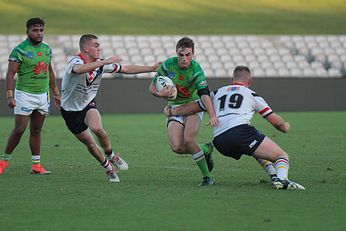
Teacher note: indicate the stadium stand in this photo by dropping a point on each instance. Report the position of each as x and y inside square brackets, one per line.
[268, 56]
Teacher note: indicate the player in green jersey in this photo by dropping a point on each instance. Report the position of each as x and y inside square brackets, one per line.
[190, 81]
[31, 60]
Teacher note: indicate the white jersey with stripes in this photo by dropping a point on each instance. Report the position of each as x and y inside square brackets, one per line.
[78, 90]
[235, 105]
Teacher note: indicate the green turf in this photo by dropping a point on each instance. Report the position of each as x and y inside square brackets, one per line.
[160, 192]
[177, 17]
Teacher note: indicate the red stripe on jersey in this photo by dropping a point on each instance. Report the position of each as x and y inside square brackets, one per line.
[264, 110]
[116, 67]
[81, 57]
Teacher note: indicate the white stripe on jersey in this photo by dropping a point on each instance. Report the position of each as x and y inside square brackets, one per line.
[79, 89]
[235, 105]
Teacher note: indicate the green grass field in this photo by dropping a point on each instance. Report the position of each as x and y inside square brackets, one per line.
[160, 192]
[177, 17]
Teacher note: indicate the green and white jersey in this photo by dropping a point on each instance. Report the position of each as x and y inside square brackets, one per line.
[33, 71]
[187, 82]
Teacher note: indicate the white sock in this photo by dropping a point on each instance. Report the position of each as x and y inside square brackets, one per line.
[282, 165]
[268, 167]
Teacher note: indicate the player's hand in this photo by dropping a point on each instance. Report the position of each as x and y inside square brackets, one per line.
[213, 121]
[57, 100]
[113, 59]
[156, 66]
[11, 102]
[168, 111]
[171, 92]
[167, 92]
[286, 127]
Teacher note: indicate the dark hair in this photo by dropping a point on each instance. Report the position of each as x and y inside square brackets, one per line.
[34, 21]
[86, 38]
[239, 71]
[185, 42]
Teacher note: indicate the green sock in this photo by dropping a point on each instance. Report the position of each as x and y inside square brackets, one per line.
[6, 157]
[201, 163]
[204, 148]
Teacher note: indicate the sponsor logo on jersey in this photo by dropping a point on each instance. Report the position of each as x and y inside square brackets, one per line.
[183, 91]
[171, 75]
[30, 55]
[40, 67]
[203, 83]
[39, 54]
[233, 88]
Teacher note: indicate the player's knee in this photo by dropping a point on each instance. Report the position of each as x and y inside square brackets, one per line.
[35, 131]
[189, 141]
[177, 148]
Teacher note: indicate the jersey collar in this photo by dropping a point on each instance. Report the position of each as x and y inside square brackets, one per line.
[237, 83]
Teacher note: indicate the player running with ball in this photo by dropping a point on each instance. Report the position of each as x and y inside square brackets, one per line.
[190, 81]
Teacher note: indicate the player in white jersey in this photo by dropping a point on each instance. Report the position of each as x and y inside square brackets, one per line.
[78, 107]
[235, 106]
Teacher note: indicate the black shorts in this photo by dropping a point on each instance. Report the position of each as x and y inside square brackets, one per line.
[74, 120]
[242, 139]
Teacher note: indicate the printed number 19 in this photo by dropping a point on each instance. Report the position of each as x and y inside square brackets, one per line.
[234, 101]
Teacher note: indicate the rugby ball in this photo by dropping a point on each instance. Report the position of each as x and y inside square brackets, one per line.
[164, 81]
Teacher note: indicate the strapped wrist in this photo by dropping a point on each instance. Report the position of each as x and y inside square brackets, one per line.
[9, 94]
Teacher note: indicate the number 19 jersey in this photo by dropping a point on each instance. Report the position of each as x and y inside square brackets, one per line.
[235, 105]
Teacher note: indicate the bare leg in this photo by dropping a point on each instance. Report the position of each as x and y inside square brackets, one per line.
[36, 123]
[88, 140]
[21, 121]
[93, 120]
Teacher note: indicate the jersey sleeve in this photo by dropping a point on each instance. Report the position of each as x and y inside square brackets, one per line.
[112, 68]
[50, 54]
[261, 106]
[75, 60]
[17, 55]
[201, 104]
[201, 81]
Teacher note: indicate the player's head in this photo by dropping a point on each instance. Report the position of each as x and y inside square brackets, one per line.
[185, 49]
[242, 74]
[90, 46]
[35, 30]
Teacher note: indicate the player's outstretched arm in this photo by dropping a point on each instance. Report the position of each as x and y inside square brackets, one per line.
[135, 69]
[186, 109]
[84, 68]
[278, 122]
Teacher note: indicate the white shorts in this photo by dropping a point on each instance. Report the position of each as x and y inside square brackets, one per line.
[181, 119]
[26, 103]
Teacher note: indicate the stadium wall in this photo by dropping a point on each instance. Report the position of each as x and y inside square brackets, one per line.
[284, 94]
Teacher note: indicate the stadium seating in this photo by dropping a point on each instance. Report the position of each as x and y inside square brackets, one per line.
[267, 56]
